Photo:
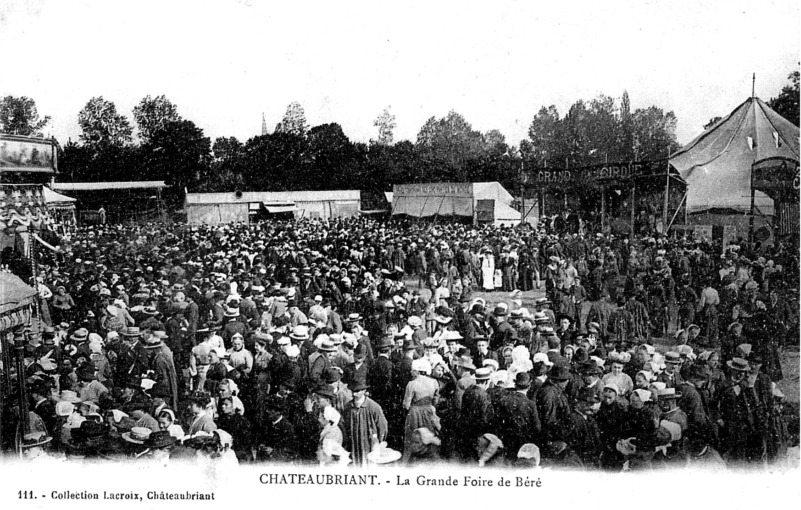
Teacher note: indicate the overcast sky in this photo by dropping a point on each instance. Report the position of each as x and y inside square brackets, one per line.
[225, 62]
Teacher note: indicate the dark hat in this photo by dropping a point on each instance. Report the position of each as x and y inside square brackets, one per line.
[559, 373]
[276, 403]
[588, 396]
[88, 430]
[325, 390]
[86, 373]
[590, 367]
[384, 343]
[359, 386]
[361, 350]
[522, 380]
[160, 439]
[500, 311]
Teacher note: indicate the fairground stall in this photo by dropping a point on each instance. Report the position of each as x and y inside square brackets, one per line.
[641, 197]
[468, 202]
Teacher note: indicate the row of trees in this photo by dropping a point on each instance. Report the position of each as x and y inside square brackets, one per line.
[295, 156]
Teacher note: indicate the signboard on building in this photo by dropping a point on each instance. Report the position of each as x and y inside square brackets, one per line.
[27, 154]
[588, 175]
[441, 189]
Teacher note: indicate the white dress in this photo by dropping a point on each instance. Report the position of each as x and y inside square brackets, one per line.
[488, 271]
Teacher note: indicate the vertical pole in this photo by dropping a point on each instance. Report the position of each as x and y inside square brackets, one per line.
[751, 219]
[603, 206]
[19, 351]
[522, 194]
[633, 187]
[667, 192]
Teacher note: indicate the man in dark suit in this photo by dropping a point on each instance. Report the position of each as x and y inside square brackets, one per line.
[516, 419]
[477, 415]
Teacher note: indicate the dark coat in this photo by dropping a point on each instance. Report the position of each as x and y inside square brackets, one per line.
[516, 421]
[554, 411]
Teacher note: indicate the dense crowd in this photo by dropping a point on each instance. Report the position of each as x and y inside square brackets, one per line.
[363, 341]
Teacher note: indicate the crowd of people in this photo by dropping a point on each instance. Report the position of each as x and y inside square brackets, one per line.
[360, 341]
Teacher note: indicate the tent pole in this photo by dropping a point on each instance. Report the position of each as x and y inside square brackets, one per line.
[633, 187]
[751, 219]
[667, 190]
[603, 207]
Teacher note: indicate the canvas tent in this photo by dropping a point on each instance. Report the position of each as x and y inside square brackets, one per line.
[717, 164]
[465, 200]
[244, 207]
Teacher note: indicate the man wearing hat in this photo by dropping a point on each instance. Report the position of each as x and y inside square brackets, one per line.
[672, 374]
[163, 367]
[516, 416]
[320, 361]
[381, 376]
[477, 414]
[553, 405]
[502, 332]
[364, 424]
[585, 437]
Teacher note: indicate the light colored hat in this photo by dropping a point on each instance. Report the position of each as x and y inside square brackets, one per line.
[541, 357]
[483, 374]
[381, 454]
[293, 351]
[64, 408]
[644, 395]
[613, 387]
[69, 396]
[414, 321]
[491, 363]
[422, 366]
[529, 451]
[137, 435]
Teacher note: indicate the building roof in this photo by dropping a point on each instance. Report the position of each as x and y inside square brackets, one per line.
[274, 197]
[717, 164]
[98, 186]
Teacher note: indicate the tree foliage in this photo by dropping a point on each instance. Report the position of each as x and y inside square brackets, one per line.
[294, 120]
[153, 114]
[19, 116]
[386, 127]
[598, 131]
[786, 103]
[102, 126]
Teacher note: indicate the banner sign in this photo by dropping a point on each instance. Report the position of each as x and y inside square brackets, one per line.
[26, 154]
[441, 189]
[608, 172]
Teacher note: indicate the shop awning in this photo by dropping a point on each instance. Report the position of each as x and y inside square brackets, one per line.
[14, 293]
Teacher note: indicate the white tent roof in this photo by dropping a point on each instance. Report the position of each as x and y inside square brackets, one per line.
[52, 197]
[717, 164]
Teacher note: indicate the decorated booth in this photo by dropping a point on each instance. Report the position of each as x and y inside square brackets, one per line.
[639, 196]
